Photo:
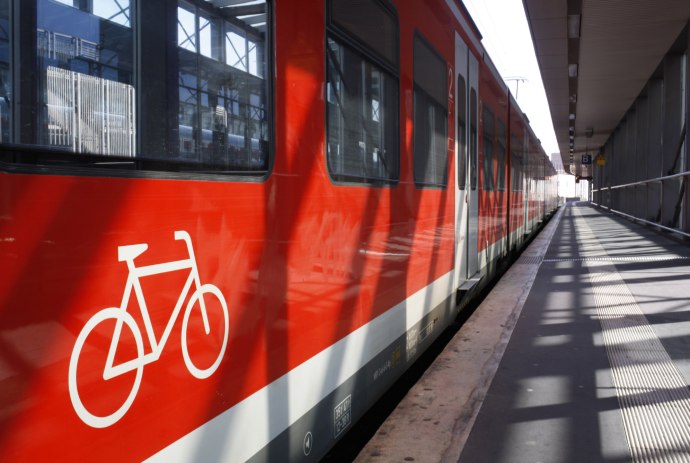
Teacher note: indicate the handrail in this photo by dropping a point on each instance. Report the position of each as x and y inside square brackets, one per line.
[646, 222]
[642, 182]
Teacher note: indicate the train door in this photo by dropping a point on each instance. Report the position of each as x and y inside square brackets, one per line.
[466, 200]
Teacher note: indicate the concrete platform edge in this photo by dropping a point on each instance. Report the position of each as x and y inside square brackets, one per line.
[433, 421]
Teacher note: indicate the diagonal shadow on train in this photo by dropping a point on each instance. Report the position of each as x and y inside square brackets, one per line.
[34, 336]
[296, 194]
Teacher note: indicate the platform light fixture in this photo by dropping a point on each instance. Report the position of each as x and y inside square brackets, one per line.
[572, 70]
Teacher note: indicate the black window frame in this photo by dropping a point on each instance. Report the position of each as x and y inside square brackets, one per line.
[355, 44]
[24, 157]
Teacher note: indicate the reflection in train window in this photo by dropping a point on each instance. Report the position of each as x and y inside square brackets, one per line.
[461, 94]
[430, 117]
[223, 111]
[362, 93]
[488, 150]
[516, 169]
[473, 140]
[182, 90]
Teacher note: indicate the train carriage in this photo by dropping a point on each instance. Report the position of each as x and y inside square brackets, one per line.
[228, 226]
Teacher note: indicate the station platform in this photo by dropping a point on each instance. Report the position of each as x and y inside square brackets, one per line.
[580, 353]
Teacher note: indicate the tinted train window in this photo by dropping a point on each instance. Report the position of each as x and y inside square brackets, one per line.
[362, 92]
[462, 132]
[500, 155]
[488, 149]
[168, 86]
[473, 139]
[430, 117]
[516, 163]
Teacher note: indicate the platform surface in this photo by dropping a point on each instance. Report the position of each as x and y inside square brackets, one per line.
[581, 353]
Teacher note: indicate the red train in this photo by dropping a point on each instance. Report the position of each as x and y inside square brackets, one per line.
[227, 226]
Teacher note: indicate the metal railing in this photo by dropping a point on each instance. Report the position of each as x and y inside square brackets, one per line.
[683, 175]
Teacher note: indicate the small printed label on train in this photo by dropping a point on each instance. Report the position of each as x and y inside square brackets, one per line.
[342, 416]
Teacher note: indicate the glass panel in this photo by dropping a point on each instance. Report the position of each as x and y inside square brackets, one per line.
[370, 23]
[362, 127]
[192, 112]
[225, 113]
[186, 28]
[210, 38]
[430, 117]
[117, 11]
[462, 133]
[85, 69]
[488, 150]
[236, 51]
[430, 149]
[473, 139]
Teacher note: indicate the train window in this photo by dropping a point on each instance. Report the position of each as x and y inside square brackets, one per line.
[516, 163]
[430, 117]
[182, 91]
[462, 132]
[473, 139]
[500, 155]
[488, 149]
[362, 93]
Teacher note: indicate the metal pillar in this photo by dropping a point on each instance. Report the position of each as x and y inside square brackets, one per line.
[653, 159]
[686, 166]
[673, 125]
[641, 153]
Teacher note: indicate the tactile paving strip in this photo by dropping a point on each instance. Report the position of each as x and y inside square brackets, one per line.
[653, 395]
[619, 259]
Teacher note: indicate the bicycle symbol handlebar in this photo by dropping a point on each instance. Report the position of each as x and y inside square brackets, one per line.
[120, 316]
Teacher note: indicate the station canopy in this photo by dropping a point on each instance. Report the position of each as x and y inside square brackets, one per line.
[595, 58]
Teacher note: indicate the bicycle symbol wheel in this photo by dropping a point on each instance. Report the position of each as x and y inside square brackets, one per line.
[86, 416]
[202, 372]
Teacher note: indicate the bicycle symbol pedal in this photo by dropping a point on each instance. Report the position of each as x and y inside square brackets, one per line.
[121, 317]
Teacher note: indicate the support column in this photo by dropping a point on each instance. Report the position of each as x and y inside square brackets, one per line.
[616, 165]
[686, 167]
[609, 154]
[629, 160]
[653, 157]
[641, 151]
[673, 124]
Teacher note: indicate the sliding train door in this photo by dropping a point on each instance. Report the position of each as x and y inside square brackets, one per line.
[466, 197]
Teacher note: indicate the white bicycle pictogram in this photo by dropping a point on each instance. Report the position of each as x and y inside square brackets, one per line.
[122, 317]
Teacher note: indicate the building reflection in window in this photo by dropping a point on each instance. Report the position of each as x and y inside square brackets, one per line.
[223, 116]
[185, 85]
